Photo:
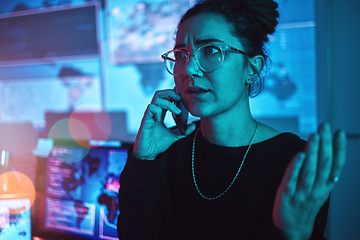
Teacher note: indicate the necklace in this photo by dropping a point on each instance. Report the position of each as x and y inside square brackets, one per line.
[242, 162]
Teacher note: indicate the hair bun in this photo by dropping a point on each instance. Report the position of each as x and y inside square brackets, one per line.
[265, 13]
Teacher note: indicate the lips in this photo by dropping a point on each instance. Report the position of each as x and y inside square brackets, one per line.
[196, 90]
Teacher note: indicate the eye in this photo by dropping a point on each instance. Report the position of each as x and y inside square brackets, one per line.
[180, 55]
[210, 50]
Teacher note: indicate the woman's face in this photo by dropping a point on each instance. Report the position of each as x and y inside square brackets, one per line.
[222, 92]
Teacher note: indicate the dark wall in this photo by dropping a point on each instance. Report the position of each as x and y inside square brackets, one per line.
[338, 102]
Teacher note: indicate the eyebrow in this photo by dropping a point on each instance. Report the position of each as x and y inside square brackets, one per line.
[200, 42]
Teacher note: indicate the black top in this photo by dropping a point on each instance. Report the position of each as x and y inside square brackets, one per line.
[158, 199]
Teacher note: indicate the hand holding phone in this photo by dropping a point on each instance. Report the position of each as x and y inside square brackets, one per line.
[182, 118]
[149, 145]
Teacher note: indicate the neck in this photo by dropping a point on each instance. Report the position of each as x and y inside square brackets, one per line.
[236, 131]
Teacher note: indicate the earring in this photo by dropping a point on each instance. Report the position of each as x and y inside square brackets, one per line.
[251, 80]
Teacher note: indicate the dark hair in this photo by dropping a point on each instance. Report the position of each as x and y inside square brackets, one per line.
[252, 21]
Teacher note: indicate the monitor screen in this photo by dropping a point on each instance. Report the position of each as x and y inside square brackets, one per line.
[43, 35]
[77, 187]
[15, 218]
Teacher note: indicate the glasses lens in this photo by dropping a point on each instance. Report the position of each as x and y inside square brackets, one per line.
[175, 62]
[210, 57]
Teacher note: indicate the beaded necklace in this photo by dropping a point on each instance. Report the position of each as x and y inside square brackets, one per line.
[242, 162]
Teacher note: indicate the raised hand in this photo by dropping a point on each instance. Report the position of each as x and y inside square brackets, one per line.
[307, 183]
[153, 136]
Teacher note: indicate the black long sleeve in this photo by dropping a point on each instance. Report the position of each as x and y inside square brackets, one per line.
[144, 200]
[158, 199]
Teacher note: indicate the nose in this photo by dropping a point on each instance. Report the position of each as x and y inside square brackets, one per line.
[192, 67]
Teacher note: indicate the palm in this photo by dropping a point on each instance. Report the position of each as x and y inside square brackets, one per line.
[307, 183]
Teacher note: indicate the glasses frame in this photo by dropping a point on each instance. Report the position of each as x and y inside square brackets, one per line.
[223, 49]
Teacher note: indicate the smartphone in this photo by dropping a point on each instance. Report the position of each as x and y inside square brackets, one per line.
[181, 119]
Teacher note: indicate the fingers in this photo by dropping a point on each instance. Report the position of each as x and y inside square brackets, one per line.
[163, 100]
[308, 171]
[325, 153]
[153, 136]
[292, 174]
[325, 158]
[331, 158]
[160, 103]
[339, 145]
[167, 94]
[154, 112]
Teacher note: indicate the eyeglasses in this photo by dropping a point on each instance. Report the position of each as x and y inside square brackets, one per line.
[208, 57]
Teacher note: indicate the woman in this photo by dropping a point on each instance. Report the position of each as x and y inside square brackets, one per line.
[228, 176]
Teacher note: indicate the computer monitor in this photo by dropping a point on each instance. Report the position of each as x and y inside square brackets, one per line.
[50, 34]
[15, 218]
[77, 187]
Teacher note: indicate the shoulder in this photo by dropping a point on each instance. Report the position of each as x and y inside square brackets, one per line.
[275, 150]
[282, 142]
[266, 132]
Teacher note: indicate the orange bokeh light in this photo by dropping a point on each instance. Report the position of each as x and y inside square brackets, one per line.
[16, 185]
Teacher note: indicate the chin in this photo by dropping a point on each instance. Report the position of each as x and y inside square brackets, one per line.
[199, 109]
[199, 112]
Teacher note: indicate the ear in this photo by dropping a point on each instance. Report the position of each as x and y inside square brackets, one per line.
[256, 64]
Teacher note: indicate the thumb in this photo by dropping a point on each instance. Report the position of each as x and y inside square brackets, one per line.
[190, 128]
